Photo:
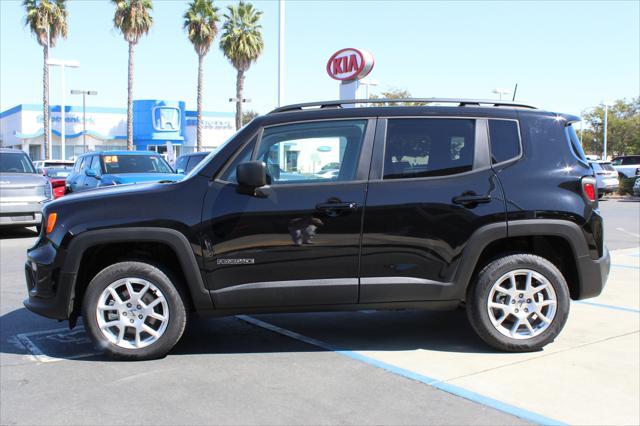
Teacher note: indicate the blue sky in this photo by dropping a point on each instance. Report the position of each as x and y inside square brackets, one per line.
[565, 56]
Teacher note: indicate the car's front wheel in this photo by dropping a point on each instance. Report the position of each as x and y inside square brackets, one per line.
[133, 310]
[518, 303]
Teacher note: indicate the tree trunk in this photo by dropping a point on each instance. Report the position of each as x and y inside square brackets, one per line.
[239, 95]
[200, 89]
[130, 101]
[45, 102]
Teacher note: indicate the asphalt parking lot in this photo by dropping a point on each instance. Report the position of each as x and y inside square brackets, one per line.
[405, 367]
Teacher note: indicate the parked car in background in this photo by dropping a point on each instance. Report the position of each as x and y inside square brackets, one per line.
[606, 177]
[186, 162]
[627, 165]
[636, 187]
[108, 168]
[43, 164]
[58, 178]
[22, 190]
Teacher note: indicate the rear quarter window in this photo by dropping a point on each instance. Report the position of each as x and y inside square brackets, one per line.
[505, 140]
[574, 143]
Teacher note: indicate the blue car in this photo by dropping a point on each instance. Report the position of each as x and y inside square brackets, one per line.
[108, 168]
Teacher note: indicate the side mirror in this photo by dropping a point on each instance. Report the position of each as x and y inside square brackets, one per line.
[181, 172]
[91, 173]
[251, 175]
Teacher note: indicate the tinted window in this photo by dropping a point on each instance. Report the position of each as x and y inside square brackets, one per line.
[229, 174]
[505, 140]
[15, 162]
[428, 147]
[574, 142]
[194, 160]
[58, 172]
[631, 160]
[95, 164]
[135, 164]
[181, 165]
[608, 167]
[321, 151]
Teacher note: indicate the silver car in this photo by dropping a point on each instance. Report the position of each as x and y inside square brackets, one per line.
[22, 190]
[606, 177]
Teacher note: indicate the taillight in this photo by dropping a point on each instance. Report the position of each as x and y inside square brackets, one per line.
[589, 189]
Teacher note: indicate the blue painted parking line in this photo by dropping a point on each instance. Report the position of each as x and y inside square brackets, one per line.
[603, 305]
[446, 387]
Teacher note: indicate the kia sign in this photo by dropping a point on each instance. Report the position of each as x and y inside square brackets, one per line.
[350, 64]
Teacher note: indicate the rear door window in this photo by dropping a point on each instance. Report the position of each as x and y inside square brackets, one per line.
[505, 140]
[426, 147]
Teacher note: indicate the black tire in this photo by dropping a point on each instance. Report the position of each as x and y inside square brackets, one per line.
[479, 292]
[175, 300]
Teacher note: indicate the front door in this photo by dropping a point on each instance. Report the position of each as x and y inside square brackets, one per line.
[432, 186]
[299, 244]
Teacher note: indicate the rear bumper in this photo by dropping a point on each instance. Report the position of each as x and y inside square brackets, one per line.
[593, 275]
[27, 213]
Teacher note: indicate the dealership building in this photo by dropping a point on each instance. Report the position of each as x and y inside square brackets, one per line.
[158, 125]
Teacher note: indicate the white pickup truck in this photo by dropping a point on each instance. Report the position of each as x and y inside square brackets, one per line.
[628, 165]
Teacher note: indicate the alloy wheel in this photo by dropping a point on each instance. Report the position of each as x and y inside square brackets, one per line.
[522, 304]
[132, 313]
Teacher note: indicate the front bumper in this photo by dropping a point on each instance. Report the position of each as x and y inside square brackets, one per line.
[49, 288]
[593, 275]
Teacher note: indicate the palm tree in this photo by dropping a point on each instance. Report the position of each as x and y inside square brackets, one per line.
[242, 44]
[200, 21]
[47, 20]
[133, 19]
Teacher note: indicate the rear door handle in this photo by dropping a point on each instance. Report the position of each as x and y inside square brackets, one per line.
[336, 206]
[471, 199]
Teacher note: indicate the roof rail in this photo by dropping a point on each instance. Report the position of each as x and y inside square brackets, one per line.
[460, 102]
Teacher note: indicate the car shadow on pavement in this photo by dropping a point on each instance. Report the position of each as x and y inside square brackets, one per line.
[22, 333]
[15, 233]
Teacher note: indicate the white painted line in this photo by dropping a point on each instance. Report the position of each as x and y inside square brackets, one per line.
[60, 334]
[633, 234]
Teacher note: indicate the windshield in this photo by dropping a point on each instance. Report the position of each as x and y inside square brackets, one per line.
[58, 172]
[15, 162]
[119, 164]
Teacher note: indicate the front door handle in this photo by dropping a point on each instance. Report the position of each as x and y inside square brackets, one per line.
[471, 200]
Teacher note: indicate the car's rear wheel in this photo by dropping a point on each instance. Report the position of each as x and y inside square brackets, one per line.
[133, 310]
[518, 303]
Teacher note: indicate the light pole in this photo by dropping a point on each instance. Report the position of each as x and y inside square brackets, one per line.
[368, 83]
[604, 147]
[281, 53]
[62, 64]
[501, 92]
[236, 100]
[84, 94]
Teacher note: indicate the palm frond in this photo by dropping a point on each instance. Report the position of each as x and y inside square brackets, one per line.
[241, 41]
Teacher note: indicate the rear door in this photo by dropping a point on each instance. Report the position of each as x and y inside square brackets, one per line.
[431, 187]
[299, 243]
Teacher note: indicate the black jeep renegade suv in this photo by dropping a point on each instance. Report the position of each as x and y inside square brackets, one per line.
[323, 207]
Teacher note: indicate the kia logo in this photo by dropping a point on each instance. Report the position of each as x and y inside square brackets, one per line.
[350, 64]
